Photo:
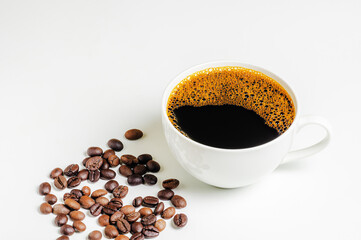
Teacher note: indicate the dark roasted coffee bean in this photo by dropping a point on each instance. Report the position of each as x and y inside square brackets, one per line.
[99, 193]
[137, 227]
[123, 226]
[85, 160]
[56, 173]
[125, 171]
[63, 238]
[78, 193]
[144, 158]
[86, 191]
[94, 151]
[113, 160]
[159, 208]
[170, 183]
[105, 165]
[60, 209]
[45, 208]
[116, 216]
[67, 230]
[71, 170]
[107, 174]
[120, 191]
[135, 179]
[110, 185]
[168, 213]
[79, 226]
[95, 235]
[44, 188]
[149, 220]
[150, 179]
[111, 231]
[60, 182]
[72, 204]
[145, 211]
[109, 209]
[86, 202]
[180, 220]
[137, 236]
[127, 209]
[153, 166]
[77, 215]
[165, 194]
[140, 169]
[133, 134]
[51, 199]
[107, 153]
[83, 174]
[96, 209]
[94, 163]
[150, 231]
[178, 201]
[102, 200]
[103, 220]
[132, 217]
[115, 144]
[73, 182]
[117, 202]
[137, 201]
[128, 159]
[150, 201]
[60, 220]
[160, 224]
[69, 195]
[94, 176]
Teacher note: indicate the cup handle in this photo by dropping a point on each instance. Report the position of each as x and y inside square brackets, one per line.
[317, 147]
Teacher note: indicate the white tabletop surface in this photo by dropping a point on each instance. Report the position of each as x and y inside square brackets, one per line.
[74, 74]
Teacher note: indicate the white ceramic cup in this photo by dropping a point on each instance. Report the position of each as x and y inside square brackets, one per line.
[231, 168]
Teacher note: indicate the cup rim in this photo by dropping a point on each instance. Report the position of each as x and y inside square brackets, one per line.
[203, 66]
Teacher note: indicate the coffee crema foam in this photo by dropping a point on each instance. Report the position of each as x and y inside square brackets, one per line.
[238, 86]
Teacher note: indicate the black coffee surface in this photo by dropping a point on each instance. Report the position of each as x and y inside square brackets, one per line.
[226, 126]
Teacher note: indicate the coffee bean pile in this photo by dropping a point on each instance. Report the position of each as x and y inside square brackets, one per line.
[117, 218]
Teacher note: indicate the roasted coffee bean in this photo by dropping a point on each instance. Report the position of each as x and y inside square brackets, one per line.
[150, 179]
[145, 211]
[115, 144]
[63, 238]
[72, 204]
[150, 201]
[56, 173]
[127, 209]
[103, 220]
[60, 182]
[107, 174]
[69, 195]
[102, 200]
[149, 220]
[121, 237]
[116, 216]
[170, 183]
[60, 209]
[117, 202]
[180, 220]
[120, 191]
[168, 213]
[113, 160]
[83, 174]
[128, 159]
[60, 220]
[71, 170]
[99, 193]
[144, 158]
[132, 217]
[85, 160]
[123, 226]
[153, 166]
[137, 201]
[165, 194]
[95, 235]
[150, 231]
[86, 191]
[110, 185]
[109, 209]
[133, 134]
[105, 165]
[45, 208]
[96, 209]
[137, 227]
[51, 199]
[111, 231]
[94, 151]
[73, 182]
[137, 236]
[86, 202]
[77, 215]
[135, 179]
[44, 188]
[140, 169]
[125, 171]
[160, 224]
[78, 193]
[94, 163]
[107, 153]
[178, 201]
[94, 176]
[67, 230]
[159, 208]
[79, 226]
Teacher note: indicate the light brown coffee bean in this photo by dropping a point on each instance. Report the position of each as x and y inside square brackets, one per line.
[120, 191]
[86, 191]
[72, 204]
[160, 224]
[51, 199]
[60, 209]
[95, 235]
[137, 227]
[45, 208]
[102, 201]
[125, 171]
[60, 182]
[132, 217]
[145, 211]
[99, 193]
[127, 209]
[113, 160]
[86, 202]
[133, 134]
[63, 238]
[168, 213]
[116, 216]
[170, 183]
[121, 237]
[178, 201]
[44, 188]
[111, 231]
[79, 226]
[103, 220]
[56, 173]
[77, 215]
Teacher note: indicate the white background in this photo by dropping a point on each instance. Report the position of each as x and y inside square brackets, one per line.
[74, 74]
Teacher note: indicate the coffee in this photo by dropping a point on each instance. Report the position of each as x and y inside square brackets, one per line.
[230, 107]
